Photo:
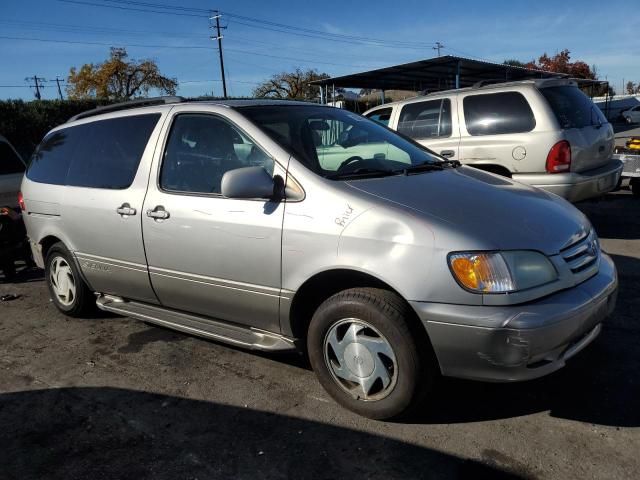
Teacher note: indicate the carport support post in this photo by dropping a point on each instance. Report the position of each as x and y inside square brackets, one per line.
[458, 74]
[382, 95]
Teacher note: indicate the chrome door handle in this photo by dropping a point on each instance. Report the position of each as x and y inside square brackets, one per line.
[125, 210]
[158, 213]
[447, 153]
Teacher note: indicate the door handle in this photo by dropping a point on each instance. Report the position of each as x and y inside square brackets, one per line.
[447, 153]
[125, 210]
[158, 213]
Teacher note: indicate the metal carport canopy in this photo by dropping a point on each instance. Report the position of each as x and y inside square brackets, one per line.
[439, 73]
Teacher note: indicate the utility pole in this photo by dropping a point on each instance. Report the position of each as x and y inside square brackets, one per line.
[36, 79]
[59, 89]
[438, 47]
[216, 16]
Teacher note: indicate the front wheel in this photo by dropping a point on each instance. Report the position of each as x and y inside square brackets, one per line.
[628, 120]
[68, 291]
[366, 356]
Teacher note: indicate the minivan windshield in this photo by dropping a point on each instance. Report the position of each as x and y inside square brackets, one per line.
[572, 107]
[338, 144]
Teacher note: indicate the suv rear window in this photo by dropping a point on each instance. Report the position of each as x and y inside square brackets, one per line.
[9, 161]
[100, 154]
[498, 113]
[426, 119]
[572, 108]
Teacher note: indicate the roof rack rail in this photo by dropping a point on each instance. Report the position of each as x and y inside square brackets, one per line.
[142, 102]
[490, 81]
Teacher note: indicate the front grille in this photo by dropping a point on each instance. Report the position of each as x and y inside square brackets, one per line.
[582, 254]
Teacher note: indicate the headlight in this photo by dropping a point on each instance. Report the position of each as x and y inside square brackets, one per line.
[501, 272]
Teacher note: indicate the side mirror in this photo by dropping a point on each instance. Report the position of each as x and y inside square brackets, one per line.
[248, 182]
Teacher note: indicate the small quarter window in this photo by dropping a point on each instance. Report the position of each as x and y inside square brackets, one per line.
[498, 113]
[382, 116]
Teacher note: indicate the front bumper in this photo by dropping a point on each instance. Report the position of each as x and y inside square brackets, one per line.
[519, 342]
[576, 186]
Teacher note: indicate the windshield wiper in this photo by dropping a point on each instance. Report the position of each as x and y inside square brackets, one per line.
[363, 172]
[420, 167]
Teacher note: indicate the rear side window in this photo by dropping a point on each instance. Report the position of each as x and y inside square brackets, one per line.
[426, 119]
[100, 154]
[381, 116]
[572, 108]
[110, 151]
[9, 161]
[498, 113]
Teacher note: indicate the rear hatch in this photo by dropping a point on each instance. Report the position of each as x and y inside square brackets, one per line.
[584, 126]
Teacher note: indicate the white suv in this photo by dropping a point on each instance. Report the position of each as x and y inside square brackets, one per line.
[545, 133]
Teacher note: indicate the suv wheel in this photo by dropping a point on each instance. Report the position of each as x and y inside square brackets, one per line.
[68, 291]
[365, 356]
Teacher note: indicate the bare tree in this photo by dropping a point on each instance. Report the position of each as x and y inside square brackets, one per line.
[291, 85]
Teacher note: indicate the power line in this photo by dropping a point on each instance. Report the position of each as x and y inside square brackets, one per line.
[254, 22]
[199, 47]
[218, 37]
[36, 80]
[437, 47]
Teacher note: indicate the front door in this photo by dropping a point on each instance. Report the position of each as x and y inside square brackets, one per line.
[208, 254]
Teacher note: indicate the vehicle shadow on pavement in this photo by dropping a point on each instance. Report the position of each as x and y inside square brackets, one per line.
[118, 433]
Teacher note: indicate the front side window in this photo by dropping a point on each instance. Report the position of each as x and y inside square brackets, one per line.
[201, 148]
[10, 163]
[497, 113]
[336, 143]
[426, 119]
[381, 116]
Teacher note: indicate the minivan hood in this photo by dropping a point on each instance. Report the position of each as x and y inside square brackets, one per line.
[497, 211]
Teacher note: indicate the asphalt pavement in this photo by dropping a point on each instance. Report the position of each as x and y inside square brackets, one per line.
[110, 397]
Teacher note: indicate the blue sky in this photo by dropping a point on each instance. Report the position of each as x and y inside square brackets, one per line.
[605, 35]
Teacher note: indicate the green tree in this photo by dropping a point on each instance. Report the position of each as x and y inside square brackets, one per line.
[291, 85]
[118, 78]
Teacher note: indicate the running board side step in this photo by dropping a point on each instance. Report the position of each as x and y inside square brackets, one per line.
[245, 337]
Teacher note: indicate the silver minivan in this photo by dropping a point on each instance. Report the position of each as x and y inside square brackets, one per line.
[292, 226]
[545, 133]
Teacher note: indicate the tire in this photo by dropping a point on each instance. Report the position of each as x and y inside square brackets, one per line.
[628, 120]
[68, 290]
[635, 186]
[401, 365]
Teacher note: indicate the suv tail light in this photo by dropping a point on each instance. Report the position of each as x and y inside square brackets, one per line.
[559, 158]
[23, 207]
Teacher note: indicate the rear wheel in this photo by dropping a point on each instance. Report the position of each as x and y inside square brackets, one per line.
[68, 291]
[365, 355]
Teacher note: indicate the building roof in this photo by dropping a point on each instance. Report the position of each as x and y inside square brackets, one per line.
[435, 74]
